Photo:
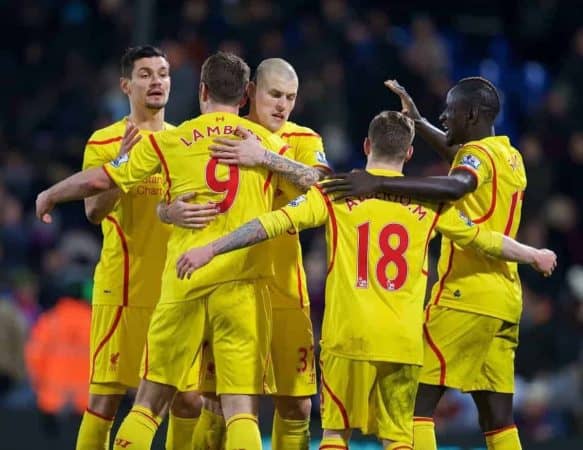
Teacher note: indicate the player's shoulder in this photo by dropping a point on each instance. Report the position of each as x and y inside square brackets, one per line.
[292, 129]
[107, 135]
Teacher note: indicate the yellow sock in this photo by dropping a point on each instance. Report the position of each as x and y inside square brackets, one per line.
[424, 434]
[289, 434]
[180, 432]
[93, 432]
[333, 443]
[243, 433]
[137, 430]
[503, 439]
[209, 432]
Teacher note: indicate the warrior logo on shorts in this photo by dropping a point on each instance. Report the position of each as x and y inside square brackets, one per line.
[122, 443]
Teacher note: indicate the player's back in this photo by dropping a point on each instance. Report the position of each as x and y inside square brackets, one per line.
[240, 193]
[377, 276]
[469, 280]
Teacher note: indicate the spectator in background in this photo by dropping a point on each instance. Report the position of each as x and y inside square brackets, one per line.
[426, 55]
[12, 338]
[57, 359]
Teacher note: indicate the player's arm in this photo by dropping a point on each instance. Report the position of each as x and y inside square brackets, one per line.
[184, 214]
[469, 170]
[124, 172]
[455, 226]
[428, 132]
[306, 211]
[249, 152]
[100, 205]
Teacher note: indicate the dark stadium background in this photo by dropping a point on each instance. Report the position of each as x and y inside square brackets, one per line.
[59, 74]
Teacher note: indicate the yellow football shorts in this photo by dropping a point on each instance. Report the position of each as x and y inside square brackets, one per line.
[118, 335]
[292, 355]
[292, 349]
[468, 351]
[376, 397]
[233, 322]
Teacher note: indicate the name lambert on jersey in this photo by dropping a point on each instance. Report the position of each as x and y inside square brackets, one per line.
[201, 133]
[420, 211]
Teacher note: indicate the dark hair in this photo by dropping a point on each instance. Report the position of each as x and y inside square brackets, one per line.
[391, 134]
[480, 92]
[226, 76]
[132, 54]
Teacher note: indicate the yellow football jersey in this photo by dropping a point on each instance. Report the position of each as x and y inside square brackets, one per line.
[468, 280]
[377, 249]
[134, 239]
[289, 282]
[240, 193]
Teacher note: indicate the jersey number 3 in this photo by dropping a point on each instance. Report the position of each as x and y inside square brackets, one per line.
[389, 255]
[228, 186]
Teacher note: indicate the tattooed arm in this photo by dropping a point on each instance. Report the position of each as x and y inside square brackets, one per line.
[246, 235]
[249, 152]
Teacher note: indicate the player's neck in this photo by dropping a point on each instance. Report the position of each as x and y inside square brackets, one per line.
[148, 120]
[219, 107]
[481, 131]
[383, 165]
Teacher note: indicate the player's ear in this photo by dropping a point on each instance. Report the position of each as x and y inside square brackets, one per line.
[409, 153]
[251, 90]
[124, 85]
[366, 146]
[203, 91]
[244, 98]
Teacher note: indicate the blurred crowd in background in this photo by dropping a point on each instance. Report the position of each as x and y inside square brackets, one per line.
[62, 77]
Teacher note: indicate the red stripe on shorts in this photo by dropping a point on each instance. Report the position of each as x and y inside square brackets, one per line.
[435, 349]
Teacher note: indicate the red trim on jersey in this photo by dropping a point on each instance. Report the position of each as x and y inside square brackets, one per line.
[467, 169]
[93, 413]
[285, 135]
[403, 447]
[322, 167]
[321, 447]
[338, 403]
[126, 258]
[499, 430]
[105, 141]
[104, 167]
[281, 152]
[334, 225]
[435, 349]
[423, 419]
[433, 224]
[494, 186]
[447, 271]
[105, 339]
[164, 165]
[147, 416]
[300, 290]
[513, 204]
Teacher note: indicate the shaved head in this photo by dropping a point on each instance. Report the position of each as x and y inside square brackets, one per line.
[275, 67]
[273, 93]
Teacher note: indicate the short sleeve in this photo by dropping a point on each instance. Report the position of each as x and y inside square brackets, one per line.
[475, 160]
[133, 167]
[310, 151]
[454, 225]
[306, 211]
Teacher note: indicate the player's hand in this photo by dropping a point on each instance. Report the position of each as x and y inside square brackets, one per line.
[192, 260]
[545, 261]
[246, 151]
[44, 205]
[188, 215]
[407, 104]
[353, 184]
[130, 138]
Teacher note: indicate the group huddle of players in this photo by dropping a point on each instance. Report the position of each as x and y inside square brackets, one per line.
[200, 297]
